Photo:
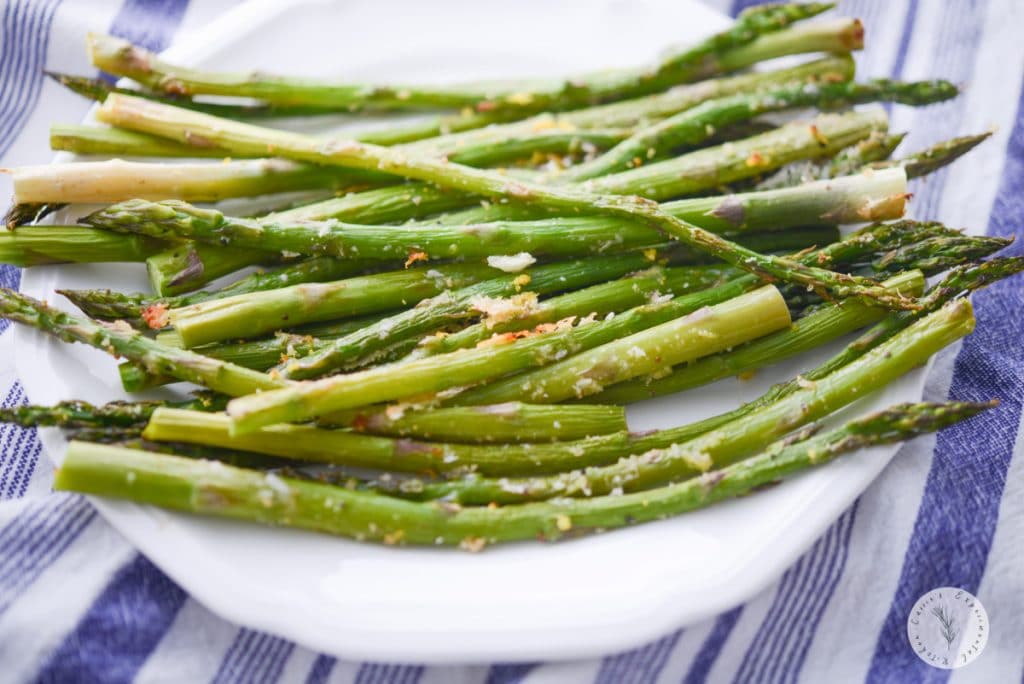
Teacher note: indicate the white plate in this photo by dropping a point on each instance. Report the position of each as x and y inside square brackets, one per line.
[518, 602]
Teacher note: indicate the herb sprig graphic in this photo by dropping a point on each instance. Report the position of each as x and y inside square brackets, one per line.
[945, 618]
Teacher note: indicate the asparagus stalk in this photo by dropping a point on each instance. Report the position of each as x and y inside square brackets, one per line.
[935, 157]
[121, 340]
[40, 245]
[509, 423]
[182, 267]
[225, 491]
[160, 119]
[695, 125]
[354, 449]
[80, 414]
[600, 300]
[873, 153]
[114, 305]
[264, 312]
[504, 423]
[115, 180]
[750, 42]
[81, 139]
[817, 328]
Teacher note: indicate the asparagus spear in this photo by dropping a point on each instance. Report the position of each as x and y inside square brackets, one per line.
[182, 267]
[353, 449]
[39, 245]
[267, 311]
[115, 180]
[215, 489]
[694, 125]
[160, 118]
[113, 305]
[600, 300]
[590, 373]
[511, 422]
[728, 51]
[873, 153]
[935, 157]
[121, 340]
[873, 196]
[817, 328]
[80, 414]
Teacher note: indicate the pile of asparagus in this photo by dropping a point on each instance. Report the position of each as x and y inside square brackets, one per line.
[439, 337]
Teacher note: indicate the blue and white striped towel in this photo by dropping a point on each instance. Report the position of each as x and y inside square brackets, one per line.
[77, 603]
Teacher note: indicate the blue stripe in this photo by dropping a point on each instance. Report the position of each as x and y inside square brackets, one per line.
[908, 26]
[639, 665]
[53, 536]
[793, 659]
[512, 673]
[321, 669]
[19, 450]
[712, 646]
[956, 522]
[149, 23]
[120, 630]
[27, 31]
[239, 647]
[792, 589]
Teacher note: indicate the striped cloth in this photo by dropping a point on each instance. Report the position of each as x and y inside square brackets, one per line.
[77, 603]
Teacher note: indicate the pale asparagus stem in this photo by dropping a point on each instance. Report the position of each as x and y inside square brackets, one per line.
[121, 340]
[136, 113]
[116, 180]
[724, 52]
[227, 491]
[590, 373]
